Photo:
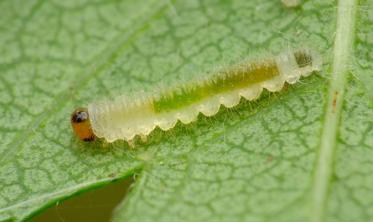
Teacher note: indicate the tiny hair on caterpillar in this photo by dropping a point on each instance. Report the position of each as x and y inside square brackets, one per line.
[124, 119]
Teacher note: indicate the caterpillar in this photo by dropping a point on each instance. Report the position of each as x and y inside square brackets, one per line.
[124, 119]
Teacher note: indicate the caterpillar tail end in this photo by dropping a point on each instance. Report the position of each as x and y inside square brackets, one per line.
[81, 125]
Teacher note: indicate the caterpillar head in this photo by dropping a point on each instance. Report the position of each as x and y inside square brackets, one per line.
[81, 125]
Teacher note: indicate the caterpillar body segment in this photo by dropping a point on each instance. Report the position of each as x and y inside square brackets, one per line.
[125, 118]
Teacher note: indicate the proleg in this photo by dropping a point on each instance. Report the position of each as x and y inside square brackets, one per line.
[82, 125]
[125, 118]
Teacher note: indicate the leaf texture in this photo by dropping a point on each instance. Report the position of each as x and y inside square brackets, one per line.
[257, 162]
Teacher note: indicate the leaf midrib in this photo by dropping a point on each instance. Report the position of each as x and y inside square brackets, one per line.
[343, 43]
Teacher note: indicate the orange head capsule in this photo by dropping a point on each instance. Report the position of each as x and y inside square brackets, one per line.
[82, 125]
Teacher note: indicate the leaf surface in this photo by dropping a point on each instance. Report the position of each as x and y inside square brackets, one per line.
[258, 162]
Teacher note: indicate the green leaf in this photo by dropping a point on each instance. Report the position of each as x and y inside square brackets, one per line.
[291, 156]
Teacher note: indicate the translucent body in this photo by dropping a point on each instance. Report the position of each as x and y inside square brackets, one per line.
[124, 119]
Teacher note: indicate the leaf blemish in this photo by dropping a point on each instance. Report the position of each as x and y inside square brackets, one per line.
[334, 103]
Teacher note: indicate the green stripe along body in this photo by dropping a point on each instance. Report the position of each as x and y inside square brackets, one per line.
[125, 119]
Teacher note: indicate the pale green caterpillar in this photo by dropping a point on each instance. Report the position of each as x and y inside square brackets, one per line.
[125, 119]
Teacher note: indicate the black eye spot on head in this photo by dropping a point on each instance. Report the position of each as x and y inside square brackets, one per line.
[79, 116]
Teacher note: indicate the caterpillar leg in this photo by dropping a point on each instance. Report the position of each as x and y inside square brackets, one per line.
[105, 144]
[131, 144]
[143, 138]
